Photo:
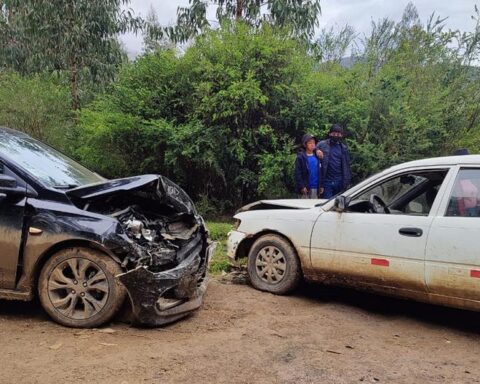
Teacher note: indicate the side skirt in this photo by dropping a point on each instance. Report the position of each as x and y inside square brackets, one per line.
[9, 294]
[426, 297]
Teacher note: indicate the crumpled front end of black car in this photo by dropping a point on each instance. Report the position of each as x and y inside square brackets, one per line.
[161, 243]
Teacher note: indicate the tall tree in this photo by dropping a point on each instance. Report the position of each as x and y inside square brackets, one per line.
[331, 46]
[153, 37]
[301, 16]
[79, 36]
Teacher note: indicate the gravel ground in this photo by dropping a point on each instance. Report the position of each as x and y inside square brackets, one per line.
[318, 335]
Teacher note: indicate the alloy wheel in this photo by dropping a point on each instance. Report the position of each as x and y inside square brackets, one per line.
[78, 288]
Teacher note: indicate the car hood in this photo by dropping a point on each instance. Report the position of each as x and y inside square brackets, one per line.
[164, 189]
[282, 204]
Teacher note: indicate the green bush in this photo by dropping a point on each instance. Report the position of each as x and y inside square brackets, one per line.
[215, 119]
[224, 119]
[38, 105]
[218, 232]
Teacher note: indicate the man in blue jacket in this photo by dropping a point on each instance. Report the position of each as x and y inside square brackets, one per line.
[308, 170]
[336, 171]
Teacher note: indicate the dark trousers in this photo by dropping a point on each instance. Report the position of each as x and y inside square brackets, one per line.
[332, 188]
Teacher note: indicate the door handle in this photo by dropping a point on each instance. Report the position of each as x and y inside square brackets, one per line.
[411, 232]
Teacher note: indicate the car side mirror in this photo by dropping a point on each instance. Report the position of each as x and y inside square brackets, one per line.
[7, 182]
[341, 203]
[9, 187]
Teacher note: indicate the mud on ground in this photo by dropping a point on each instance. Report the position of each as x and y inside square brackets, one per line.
[318, 335]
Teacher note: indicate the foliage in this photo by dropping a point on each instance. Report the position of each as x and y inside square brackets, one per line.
[331, 46]
[76, 36]
[153, 37]
[210, 119]
[225, 118]
[300, 17]
[37, 105]
[218, 232]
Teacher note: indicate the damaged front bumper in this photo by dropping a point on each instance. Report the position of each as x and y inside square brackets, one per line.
[160, 298]
[234, 240]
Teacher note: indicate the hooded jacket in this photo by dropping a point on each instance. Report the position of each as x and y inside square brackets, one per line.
[302, 172]
[324, 146]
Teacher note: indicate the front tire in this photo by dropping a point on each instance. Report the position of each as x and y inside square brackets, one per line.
[77, 287]
[273, 265]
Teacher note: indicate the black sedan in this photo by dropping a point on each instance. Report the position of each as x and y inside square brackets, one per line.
[84, 243]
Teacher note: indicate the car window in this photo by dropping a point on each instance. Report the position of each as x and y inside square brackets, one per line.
[392, 189]
[422, 204]
[465, 197]
[410, 193]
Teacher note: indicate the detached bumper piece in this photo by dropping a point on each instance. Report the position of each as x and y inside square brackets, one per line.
[160, 298]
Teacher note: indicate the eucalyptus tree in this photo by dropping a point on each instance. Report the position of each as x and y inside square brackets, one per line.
[78, 36]
[299, 16]
[153, 37]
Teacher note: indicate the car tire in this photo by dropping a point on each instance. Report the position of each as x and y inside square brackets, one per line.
[77, 287]
[273, 265]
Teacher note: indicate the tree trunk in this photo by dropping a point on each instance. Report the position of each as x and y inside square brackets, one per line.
[239, 10]
[74, 85]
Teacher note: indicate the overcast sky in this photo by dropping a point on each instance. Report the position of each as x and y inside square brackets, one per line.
[357, 13]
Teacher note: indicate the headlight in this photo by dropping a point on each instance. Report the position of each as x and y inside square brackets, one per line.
[236, 224]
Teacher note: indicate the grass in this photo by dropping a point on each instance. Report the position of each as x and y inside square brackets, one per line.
[218, 232]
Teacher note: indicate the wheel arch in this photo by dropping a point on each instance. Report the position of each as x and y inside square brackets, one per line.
[246, 244]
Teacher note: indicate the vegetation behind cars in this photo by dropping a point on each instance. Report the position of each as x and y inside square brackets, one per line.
[218, 231]
[224, 118]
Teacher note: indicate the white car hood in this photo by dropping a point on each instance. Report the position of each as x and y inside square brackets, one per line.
[282, 204]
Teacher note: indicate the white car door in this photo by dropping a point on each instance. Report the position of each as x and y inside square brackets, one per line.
[386, 249]
[452, 263]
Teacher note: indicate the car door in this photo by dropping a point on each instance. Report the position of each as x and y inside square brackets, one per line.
[12, 210]
[452, 262]
[380, 248]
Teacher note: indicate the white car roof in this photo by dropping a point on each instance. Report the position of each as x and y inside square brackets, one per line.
[446, 160]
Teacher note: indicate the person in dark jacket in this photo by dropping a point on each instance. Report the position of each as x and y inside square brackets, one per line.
[336, 170]
[308, 169]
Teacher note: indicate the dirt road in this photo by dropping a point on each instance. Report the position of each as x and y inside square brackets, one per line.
[318, 335]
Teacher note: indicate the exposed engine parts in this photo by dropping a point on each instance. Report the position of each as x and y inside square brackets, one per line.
[159, 240]
[156, 238]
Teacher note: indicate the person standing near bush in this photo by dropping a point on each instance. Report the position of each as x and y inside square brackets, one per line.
[336, 170]
[308, 169]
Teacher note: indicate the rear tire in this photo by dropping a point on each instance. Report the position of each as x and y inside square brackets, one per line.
[273, 265]
[77, 287]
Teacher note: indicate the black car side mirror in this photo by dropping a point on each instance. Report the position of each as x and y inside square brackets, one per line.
[341, 203]
[9, 187]
[7, 182]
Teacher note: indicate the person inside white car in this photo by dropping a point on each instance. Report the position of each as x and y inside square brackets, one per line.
[465, 198]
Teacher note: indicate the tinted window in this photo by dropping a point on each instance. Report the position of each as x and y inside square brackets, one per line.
[43, 162]
[464, 200]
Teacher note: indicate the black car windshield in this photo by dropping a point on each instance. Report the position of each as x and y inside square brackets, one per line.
[52, 168]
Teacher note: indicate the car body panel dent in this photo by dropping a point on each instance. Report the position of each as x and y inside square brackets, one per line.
[147, 224]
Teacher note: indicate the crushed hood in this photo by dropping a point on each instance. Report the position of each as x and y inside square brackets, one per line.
[164, 189]
[282, 204]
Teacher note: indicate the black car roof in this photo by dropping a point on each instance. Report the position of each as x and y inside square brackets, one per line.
[13, 132]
